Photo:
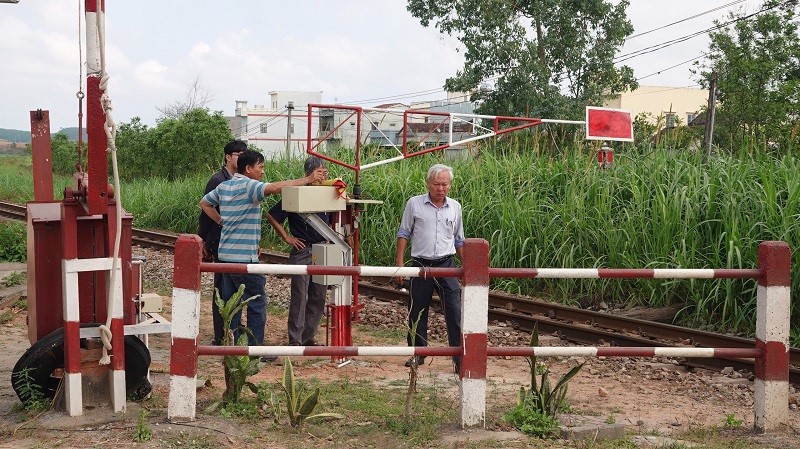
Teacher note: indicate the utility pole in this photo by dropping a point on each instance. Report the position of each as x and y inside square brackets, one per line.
[289, 108]
[712, 102]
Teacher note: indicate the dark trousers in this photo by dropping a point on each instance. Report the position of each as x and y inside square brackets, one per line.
[420, 299]
[256, 309]
[216, 318]
[307, 303]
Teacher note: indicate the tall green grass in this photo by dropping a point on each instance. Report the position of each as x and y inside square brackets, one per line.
[663, 209]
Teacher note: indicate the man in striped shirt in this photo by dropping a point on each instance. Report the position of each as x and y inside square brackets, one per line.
[239, 201]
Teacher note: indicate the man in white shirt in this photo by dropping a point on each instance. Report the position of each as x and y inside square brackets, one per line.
[433, 224]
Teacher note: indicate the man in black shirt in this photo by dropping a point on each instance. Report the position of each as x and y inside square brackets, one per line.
[210, 231]
[307, 303]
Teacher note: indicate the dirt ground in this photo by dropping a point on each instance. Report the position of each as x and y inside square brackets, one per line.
[650, 397]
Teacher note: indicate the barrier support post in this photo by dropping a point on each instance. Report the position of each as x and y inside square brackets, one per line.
[772, 337]
[185, 327]
[474, 327]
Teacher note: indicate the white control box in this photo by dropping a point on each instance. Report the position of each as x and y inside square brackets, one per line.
[329, 254]
[312, 199]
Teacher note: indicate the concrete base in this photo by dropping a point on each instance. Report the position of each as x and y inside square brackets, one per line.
[95, 385]
[580, 427]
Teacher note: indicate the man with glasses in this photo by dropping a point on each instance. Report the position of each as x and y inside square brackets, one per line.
[210, 231]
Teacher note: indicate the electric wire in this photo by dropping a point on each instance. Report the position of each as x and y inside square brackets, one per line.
[671, 42]
[624, 57]
[634, 36]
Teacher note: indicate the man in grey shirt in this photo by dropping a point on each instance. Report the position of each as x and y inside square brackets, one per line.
[433, 223]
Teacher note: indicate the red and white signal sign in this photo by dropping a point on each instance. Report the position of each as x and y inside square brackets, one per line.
[608, 124]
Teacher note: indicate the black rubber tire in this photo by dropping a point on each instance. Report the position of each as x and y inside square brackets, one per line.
[47, 355]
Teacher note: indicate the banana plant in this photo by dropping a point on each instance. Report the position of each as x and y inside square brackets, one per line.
[541, 397]
[298, 408]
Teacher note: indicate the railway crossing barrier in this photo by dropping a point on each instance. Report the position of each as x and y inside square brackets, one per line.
[771, 351]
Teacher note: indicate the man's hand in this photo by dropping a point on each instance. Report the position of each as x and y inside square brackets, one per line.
[295, 242]
[317, 176]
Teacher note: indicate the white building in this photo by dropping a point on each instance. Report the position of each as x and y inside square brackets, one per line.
[267, 127]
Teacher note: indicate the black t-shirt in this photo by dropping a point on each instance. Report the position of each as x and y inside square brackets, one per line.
[298, 227]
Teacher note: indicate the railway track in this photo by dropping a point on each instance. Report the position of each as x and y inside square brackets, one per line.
[573, 324]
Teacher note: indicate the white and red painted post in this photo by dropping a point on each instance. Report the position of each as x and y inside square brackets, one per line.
[73, 396]
[474, 327]
[185, 327]
[772, 336]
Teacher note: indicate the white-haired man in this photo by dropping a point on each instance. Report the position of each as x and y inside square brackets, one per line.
[433, 224]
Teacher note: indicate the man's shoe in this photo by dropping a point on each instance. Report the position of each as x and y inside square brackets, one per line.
[269, 358]
[420, 361]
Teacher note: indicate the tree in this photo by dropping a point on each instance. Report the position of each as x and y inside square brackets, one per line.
[176, 147]
[134, 150]
[757, 60]
[65, 154]
[197, 97]
[549, 58]
[190, 144]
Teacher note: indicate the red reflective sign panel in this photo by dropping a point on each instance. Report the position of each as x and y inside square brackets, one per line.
[609, 124]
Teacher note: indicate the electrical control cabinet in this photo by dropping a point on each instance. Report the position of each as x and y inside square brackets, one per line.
[329, 254]
[312, 199]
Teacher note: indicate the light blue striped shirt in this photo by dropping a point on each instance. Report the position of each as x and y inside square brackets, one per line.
[239, 200]
[434, 232]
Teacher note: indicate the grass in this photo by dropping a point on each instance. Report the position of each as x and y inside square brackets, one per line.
[372, 416]
[660, 209]
[387, 333]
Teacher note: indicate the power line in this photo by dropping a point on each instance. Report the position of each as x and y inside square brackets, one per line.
[671, 67]
[671, 42]
[621, 58]
[684, 20]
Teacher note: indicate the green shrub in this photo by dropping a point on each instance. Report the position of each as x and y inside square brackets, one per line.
[13, 246]
[530, 421]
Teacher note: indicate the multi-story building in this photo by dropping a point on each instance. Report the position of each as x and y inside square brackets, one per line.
[269, 127]
[286, 117]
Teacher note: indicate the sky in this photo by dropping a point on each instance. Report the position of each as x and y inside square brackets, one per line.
[357, 52]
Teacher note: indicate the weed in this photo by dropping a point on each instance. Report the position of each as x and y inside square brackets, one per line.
[383, 333]
[142, 432]
[299, 409]
[537, 408]
[611, 419]
[33, 400]
[544, 399]
[731, 420]
[13, 246]
[184, 441]
[6, 316]
[412, 373]
[15, 278]
[530, 420]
